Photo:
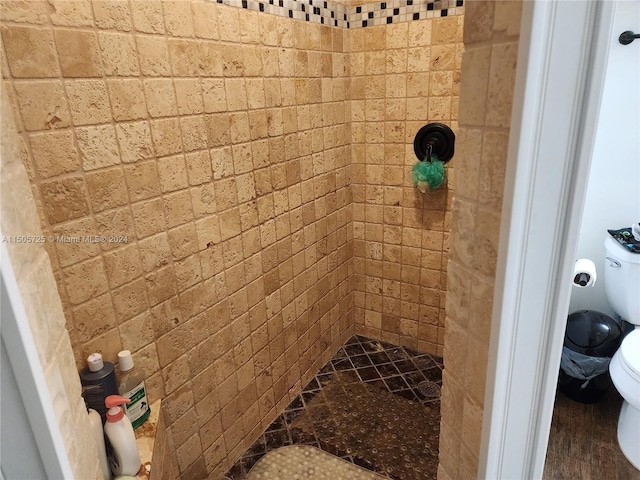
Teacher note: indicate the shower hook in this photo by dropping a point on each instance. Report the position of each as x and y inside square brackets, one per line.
[429, 150]
[434, 140]
[627, 37]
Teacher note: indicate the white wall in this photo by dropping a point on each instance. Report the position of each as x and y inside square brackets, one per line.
[613, 191]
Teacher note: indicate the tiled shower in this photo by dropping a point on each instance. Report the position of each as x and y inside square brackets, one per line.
[228, 189]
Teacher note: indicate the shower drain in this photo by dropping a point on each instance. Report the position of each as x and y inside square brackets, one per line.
[429, 389]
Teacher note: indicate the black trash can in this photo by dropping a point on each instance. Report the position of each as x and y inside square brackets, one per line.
[590, 340]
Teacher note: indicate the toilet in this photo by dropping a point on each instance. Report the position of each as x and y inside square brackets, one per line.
[622, 286]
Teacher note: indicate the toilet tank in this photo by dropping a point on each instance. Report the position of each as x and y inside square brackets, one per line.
[622, 281]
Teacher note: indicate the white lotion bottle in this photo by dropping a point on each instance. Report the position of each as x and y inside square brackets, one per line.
[125, 459]
[95, 422]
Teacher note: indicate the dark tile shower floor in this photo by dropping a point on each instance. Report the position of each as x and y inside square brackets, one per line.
[402, 381]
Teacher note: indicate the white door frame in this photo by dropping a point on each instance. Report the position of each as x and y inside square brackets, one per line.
[31, 383]
[561, 64]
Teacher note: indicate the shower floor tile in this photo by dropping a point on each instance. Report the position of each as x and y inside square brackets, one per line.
[397, 370]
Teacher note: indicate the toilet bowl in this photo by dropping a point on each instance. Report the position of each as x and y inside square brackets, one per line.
[625, 375]
[622, 286]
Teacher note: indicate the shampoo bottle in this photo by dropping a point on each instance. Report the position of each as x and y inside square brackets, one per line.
[98, 380]
[125, 458]
[132, 387]
[95, 422]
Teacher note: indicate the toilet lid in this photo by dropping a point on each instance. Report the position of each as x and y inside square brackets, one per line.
[630, 350]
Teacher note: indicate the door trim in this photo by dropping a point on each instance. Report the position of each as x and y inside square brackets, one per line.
[560, 75]
[25, 363]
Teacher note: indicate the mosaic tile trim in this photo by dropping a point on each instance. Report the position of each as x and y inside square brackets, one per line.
[337, 15]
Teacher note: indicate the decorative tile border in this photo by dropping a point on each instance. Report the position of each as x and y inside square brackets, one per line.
[397, 11]
[367, 15]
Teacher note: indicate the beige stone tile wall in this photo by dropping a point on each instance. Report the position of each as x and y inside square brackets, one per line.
[34, 275]
[404, 76]
[216, 150]
[209, 146]
[491, 33]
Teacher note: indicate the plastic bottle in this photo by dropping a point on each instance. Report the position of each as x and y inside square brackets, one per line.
[132, 387]
[95, 422]
[124, 458]
[98, 380]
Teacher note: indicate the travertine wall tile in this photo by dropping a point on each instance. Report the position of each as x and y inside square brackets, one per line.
[194, 133]
[189, 96]
[149, 217]
[205, 19]
[112, 14]
[142, 180]
[199, 167]
[479, 25]
[491, 43]
[79, 53]
[502, 74]
[69, 13]
[166, 136]
[88, 101]
[155, 252]
[64, 199]
[116, 225]
[70, 253]
[135, 141]
[127, 99]
[476, 65]
[147, 16]
[214, 95]
[86, 280]
[24, 11]
[491, 175]
[30, 52]
[207, 149]
[161, 98]
[94, 317]
[47, 148]
[119, 56]
[185, 57]
[107, 189]
[402, 77]
[177, 18]
[172, 173]
[137, 332]
[507, 17]
[153, 56]
[98, 146]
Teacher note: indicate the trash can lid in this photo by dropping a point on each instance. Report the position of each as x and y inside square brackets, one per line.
[589, 329]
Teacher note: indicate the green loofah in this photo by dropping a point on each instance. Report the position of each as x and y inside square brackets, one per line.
[428, 175]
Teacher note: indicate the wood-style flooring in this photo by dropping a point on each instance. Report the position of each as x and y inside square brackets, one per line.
[583, 442]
